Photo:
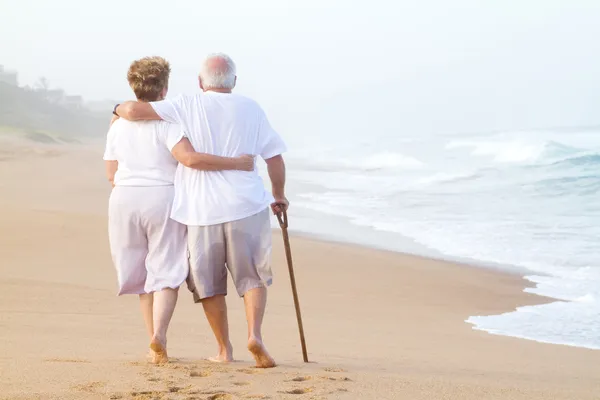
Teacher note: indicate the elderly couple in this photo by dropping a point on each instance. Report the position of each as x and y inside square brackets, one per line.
[187, 202]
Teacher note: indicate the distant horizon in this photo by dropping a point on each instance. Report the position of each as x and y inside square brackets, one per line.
[111, 102]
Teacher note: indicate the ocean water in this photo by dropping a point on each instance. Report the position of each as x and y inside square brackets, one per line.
[528, 200]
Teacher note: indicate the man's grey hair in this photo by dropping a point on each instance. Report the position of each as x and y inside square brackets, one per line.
[218, 75]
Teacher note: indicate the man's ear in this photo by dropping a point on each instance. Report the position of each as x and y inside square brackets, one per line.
[234, 81]
[200, 83]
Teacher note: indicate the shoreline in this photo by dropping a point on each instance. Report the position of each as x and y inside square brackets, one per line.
[469, 263]
[434, 255]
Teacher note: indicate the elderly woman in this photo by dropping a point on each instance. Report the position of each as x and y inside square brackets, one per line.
[149, 248]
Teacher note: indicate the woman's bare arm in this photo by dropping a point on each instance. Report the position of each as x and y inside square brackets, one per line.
[184, 153]
[111, 170]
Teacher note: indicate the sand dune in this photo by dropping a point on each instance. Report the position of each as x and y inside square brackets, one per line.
[379, 325]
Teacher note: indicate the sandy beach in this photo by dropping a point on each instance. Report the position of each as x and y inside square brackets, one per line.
[379, 325]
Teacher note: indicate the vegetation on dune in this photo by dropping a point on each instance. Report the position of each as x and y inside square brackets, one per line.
[46, 115]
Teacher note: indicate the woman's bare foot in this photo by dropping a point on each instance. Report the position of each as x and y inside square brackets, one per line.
[160, 352]
[225, 355]
[262, 357]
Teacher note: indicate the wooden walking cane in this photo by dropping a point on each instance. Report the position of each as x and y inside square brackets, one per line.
[283, 223]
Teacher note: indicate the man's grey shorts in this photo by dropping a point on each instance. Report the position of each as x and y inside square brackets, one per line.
[243, 247]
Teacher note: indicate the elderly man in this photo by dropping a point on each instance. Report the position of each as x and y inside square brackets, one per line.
[226, 211]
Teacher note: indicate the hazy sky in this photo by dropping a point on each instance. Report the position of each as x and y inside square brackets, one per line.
[343, 66]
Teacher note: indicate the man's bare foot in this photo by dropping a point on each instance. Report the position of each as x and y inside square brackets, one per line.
[262, 357]
[160, 352]
[220, 359]
[225, 355]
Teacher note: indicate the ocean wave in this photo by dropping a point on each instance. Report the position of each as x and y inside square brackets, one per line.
[516, 150]
[571, 321]
[585, 158]
[390, 160]
[574, 184]
[445, 177]
[564, 323]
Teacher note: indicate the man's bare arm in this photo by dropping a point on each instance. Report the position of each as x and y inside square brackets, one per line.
[111, 170]
[136, 111]
[276, 169]
[184, 153]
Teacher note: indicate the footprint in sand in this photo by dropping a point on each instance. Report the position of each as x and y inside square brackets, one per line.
[336, 378]
[333, 369]
[138, 364]
[89, 387]
[220, 396]
[167, 365]
[302, 378]
[249, 371]
[147, 395]
[299, 390]
[241, 383]
[194, 392]
[199, 373]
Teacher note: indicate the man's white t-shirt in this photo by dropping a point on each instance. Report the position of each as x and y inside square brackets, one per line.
[227, 125]
[143, 150]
